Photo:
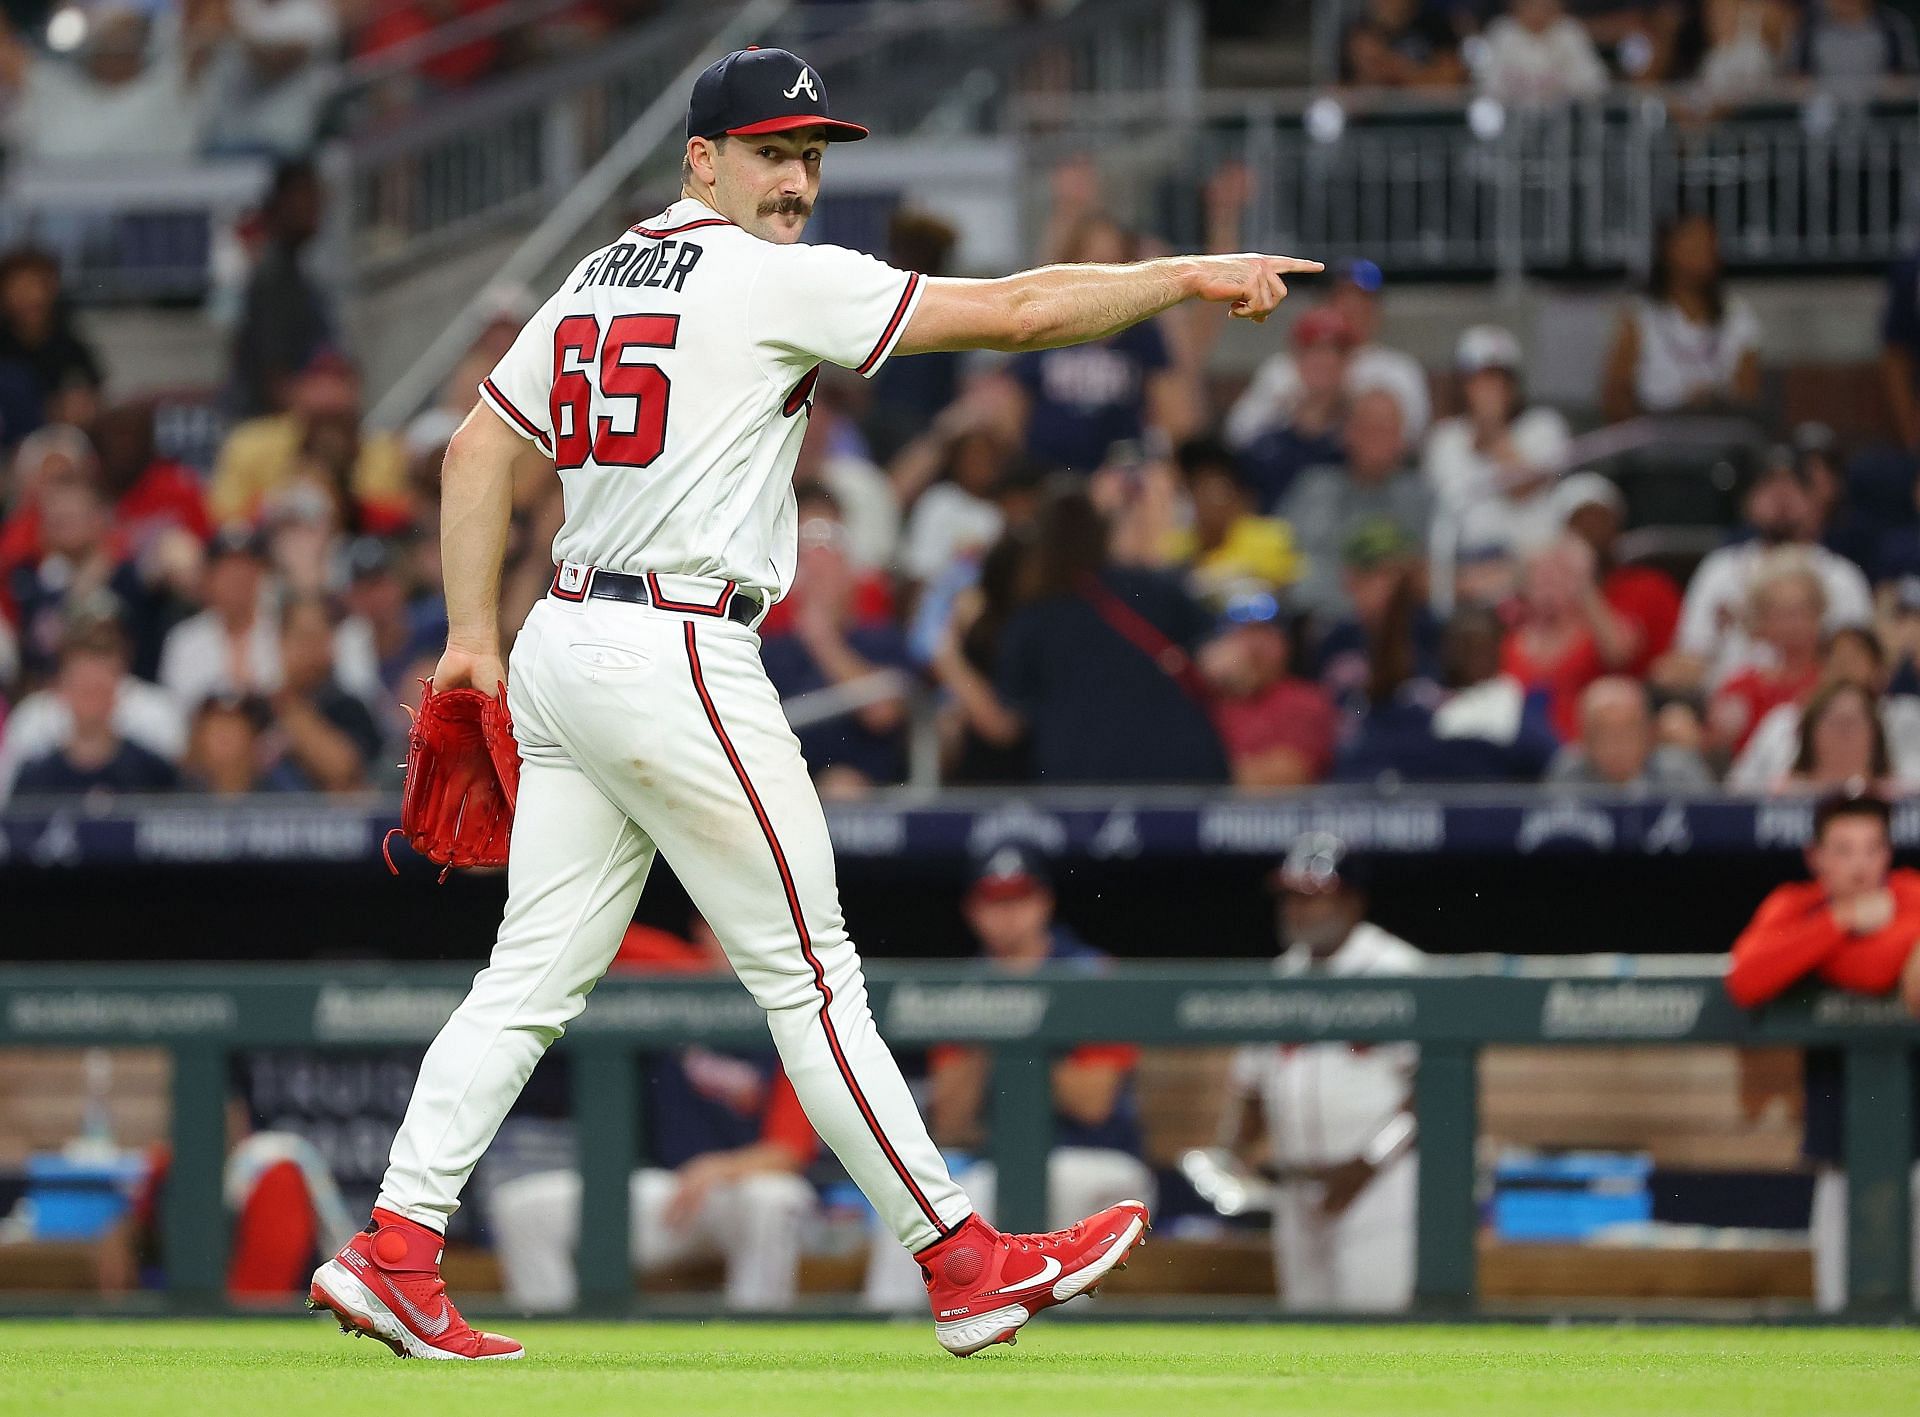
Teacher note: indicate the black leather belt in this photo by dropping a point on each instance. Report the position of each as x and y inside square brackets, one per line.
[740, 606]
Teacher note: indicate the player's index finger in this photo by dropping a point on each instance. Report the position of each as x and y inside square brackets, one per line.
[1291, 264]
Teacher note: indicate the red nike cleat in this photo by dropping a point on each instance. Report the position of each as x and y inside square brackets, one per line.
[984, 1285]
[386, 1284]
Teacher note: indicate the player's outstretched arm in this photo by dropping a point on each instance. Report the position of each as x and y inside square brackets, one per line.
[476, 503]
[1058, 305]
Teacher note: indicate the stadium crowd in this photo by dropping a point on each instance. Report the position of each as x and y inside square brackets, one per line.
[1106, 564]
[1535, 52]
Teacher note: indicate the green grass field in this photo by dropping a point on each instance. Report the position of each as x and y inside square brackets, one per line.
[307, 1369]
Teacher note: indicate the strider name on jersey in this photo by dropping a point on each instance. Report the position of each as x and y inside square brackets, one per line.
[669, 379]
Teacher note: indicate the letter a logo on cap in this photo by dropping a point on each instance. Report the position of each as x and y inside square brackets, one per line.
[805, 81]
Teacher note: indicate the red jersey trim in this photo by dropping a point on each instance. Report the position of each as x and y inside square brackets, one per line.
[888, 335]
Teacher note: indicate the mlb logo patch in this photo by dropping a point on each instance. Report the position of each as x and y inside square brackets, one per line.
[571, 580]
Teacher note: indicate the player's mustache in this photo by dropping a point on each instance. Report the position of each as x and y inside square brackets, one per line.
[787, 206]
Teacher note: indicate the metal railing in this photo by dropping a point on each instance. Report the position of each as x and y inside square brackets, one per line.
[1464, 186]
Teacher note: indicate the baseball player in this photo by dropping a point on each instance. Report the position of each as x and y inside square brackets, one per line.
[1334, 1118]
[668, 380]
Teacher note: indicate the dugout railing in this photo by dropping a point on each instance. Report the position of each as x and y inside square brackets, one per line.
[201, 1015]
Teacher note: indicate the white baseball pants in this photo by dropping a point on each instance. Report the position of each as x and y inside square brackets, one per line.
[1361, 1259]
[642, 730]
[753, 1223]
[1080, 1181]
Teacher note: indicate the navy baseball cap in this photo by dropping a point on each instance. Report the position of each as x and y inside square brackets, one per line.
[1008, 872]
[762, 91]
[1320, 863]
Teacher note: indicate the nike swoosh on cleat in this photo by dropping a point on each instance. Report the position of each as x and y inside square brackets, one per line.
[1048, 1271]
[431, 1328]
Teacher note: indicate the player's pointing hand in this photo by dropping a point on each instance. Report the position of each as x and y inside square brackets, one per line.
[1249, 285]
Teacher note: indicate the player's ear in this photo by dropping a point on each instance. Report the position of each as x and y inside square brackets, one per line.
[700, 159]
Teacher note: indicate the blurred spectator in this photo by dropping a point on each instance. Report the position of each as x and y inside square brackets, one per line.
[827, 644]
[152, 495]
[1328, 504]
[1852, 927]
[48, 371]
[1853, 656]
[1275, 387]
[316, 442]
[1785, 609]
[1567, 635]
[1492, 469]
[862, 491]
[1686, 345]
[1644, 600]
[75, 561]
[982, 740]
[136, 89]
[1713, 641]
[143, 714]
[1900, 350]
[395, 24]
[385, 631]
[93, 755]
[1377, 559]
[1537, 55]
[1746, 41]
[1095, 1161]
[1228, 547]
[327, 736]
[727, 1149]
[1074, 403]
[959, 461]
[271, 81]
[1843, 745]
[1306, 431]
[1278, 730]
[1401, 44]
[1486, 727]
[1095, 665]
[908, 396]
[1616, 746]
[232, 647]
[286, 316]
[1852, 40]
[1335, 1119]
[1645, 40]
[227, 754]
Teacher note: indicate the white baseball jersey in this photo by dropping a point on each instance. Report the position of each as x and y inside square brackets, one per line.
[1325, 1101]
[669, 379]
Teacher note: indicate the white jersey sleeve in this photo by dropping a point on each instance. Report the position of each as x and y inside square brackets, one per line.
[518, 389]
[814, 304]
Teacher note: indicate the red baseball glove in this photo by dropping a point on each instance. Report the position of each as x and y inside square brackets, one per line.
[463, 774]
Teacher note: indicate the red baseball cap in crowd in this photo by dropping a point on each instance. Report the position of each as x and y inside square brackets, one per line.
[1322, 326]
[762, 91]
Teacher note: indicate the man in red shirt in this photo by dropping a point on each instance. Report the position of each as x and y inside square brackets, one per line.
[1278, 730]
[1646, 599]
[1786, 609]
[1854, 926]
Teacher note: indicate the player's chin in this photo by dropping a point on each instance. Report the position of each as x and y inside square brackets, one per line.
[784, 227]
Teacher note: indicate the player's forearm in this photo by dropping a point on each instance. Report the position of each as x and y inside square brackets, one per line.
[1772, 956]
[476, 504]
[1061, 305]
